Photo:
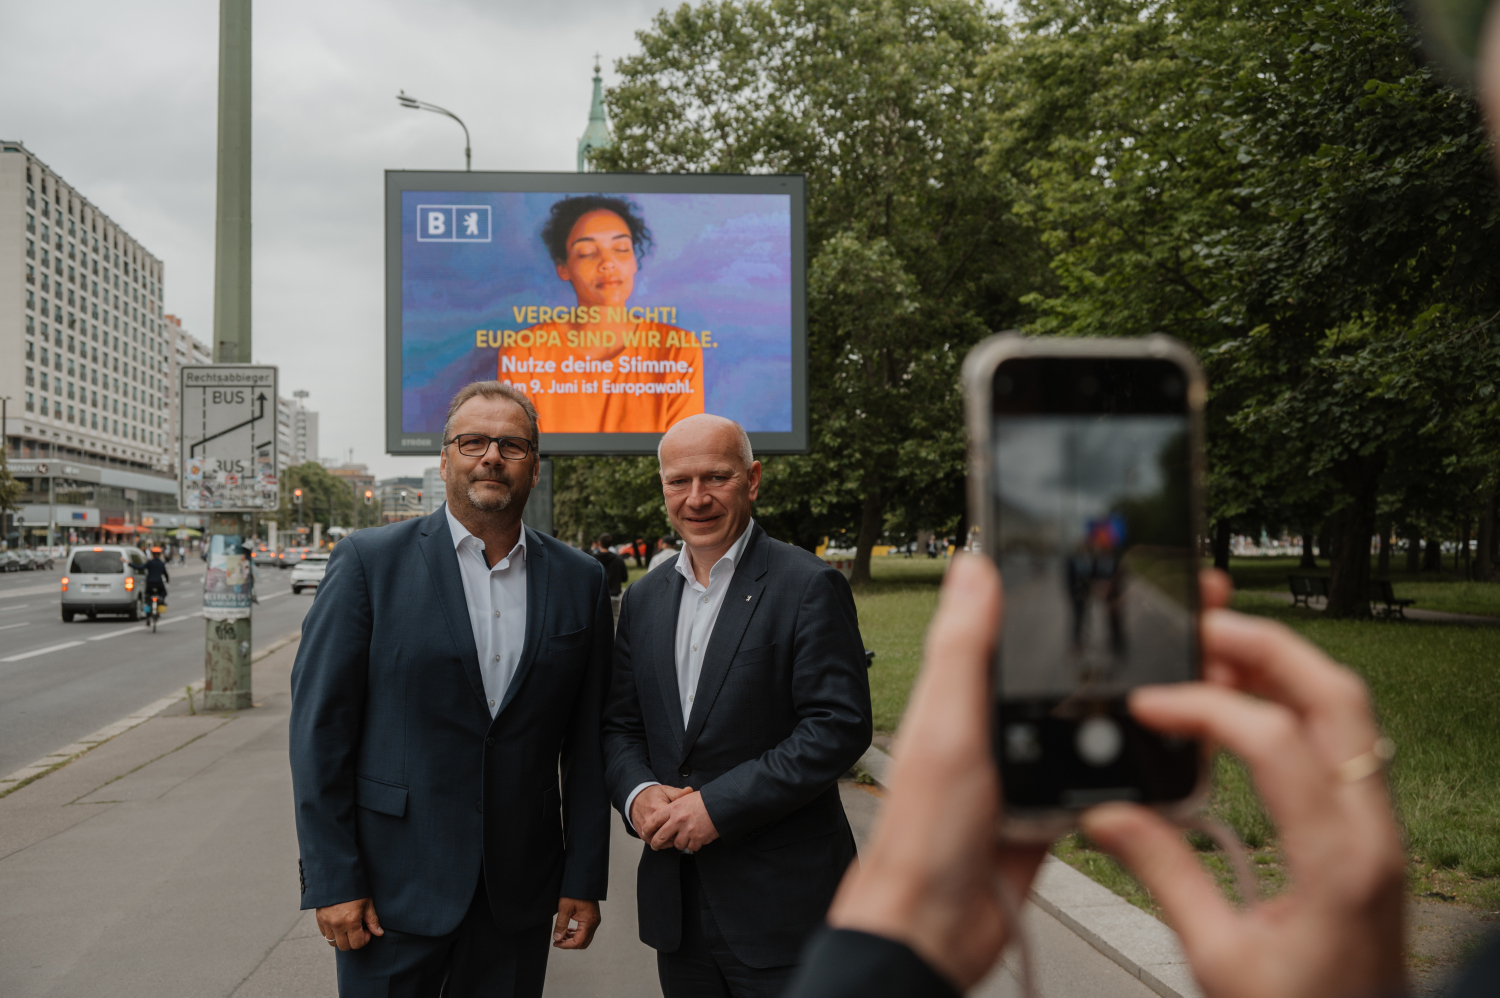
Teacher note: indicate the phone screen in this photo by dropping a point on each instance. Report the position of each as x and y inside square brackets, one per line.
[1092, 509]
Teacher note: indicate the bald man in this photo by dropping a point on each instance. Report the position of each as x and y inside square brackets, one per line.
[739, 699]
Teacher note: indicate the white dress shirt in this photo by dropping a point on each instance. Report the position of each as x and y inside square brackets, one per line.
[696, 616]
[497, 607]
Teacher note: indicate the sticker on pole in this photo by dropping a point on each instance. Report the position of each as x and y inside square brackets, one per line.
[228, 459]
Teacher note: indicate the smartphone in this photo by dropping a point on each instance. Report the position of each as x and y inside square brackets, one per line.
[1085, 482]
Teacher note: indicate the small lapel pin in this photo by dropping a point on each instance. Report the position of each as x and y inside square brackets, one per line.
[747, 599]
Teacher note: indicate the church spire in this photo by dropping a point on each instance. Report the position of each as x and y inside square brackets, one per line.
[596, 135]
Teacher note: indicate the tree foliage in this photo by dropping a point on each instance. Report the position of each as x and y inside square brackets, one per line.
[913, 254]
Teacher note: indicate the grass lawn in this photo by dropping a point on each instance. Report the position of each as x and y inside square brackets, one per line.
[1445, 590]
[1437, 693]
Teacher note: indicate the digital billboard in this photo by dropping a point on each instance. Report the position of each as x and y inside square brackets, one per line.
[620, 303]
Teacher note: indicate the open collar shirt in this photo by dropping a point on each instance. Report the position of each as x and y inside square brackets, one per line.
[696, 615]
[496, 598]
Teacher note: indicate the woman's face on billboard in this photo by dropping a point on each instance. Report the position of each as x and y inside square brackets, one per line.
[601, 259]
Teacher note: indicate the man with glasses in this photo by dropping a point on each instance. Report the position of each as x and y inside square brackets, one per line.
[452, 669]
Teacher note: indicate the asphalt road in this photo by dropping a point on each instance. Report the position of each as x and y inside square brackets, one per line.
[60, 682]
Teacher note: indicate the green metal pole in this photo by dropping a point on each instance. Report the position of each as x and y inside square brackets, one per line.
[226, 661]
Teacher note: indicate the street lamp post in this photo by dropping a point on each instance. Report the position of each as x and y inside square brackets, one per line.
[421, 105]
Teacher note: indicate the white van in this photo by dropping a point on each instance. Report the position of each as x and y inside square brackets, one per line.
[104, 580]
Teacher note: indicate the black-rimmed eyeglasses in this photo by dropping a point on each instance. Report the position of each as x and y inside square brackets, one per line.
[478, 445]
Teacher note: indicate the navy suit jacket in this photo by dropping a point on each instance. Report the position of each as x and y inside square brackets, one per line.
[402, 782]
[782, 711]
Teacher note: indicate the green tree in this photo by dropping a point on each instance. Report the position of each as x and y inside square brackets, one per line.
[913, 253]
[10, 490]
[1285, 187]
[326, 498]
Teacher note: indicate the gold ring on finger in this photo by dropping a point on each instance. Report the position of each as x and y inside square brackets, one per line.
[1367, 763]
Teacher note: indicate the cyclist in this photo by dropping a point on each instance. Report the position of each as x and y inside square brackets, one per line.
[157, 578]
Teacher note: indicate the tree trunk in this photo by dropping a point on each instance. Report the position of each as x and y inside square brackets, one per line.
[1308, 559]
[1413, 549]
[1222, 537]
[871, 519]
[1325, 540]
[1484, 570]
[1383, 568]
[1432, 558]
[1349, 580]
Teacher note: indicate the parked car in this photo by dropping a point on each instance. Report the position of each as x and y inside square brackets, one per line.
[264, 557]
[292, 557]
[36, 560]
[308, 572]
[10, 561]
[106, 579]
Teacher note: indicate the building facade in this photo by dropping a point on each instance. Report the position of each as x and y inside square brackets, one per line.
[434, 490]
[399, 498]
[183, 350]
[82, 335]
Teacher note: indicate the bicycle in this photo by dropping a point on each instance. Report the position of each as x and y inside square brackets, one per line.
[153, 612]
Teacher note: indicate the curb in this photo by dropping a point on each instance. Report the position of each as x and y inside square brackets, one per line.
[54, 761]
[1144, 947]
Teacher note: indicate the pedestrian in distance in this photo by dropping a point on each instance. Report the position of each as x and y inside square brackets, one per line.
[666, 550]
[739, 699]
[445, 732]
[639, 550]
[615, 569]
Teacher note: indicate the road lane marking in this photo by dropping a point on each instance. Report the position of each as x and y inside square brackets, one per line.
[8, 609]
[284, 592]
[55, 587]
[9, 626]
[56, 760]
[42, 651]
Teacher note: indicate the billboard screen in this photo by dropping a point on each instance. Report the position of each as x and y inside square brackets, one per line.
[619, 302]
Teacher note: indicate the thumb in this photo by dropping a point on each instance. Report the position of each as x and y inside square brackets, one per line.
[564, 914]
[372, 920]
[675, 792]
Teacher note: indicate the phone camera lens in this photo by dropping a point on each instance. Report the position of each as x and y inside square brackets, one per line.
[1088, 385]
[1171, 387]
[1003, 385]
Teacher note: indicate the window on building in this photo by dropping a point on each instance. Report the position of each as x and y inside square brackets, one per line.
[31, 300]
[30, 250]
[93, 420]
[30, 402]
[44, 381]
[30, 274]
[70, 414]
[30, 376]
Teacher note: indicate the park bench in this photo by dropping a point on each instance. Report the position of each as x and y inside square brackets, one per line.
[1381, 592]
[1305, 587]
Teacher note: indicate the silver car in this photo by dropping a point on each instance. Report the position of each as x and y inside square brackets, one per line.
[104, 580]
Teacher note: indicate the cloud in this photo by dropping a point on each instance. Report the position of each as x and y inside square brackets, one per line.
[121, 100]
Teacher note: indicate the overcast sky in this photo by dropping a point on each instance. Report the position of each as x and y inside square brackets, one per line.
[121, 100]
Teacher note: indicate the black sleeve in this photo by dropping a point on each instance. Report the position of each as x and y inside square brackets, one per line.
[838, 963]
[1479, 977]
[585, 801]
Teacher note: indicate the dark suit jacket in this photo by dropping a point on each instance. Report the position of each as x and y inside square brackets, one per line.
[845, 964]
[402, 782]
[782, 711]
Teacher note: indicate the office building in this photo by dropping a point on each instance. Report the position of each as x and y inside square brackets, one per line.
[83, 349]
[296, 432]
[434, 490]
[183, 350]
[399, 498]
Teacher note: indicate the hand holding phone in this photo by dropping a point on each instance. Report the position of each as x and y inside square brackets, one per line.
[1085, 464]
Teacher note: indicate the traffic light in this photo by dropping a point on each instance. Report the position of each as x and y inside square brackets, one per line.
[297, 496]
[369, 497]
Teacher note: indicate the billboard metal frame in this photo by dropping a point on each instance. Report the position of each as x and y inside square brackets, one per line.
[398, 182]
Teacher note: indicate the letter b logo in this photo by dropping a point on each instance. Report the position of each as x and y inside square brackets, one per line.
[453, 223]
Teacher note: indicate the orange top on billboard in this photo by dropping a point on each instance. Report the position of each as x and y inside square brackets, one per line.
[640, 379]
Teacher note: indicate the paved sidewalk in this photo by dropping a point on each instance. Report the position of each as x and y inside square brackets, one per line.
[164, 863]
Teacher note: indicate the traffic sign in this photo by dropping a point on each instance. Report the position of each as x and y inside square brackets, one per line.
[228, 459]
